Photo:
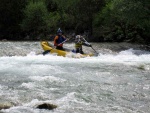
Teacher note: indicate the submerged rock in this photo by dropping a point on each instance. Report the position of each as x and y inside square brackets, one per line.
[141, 67]
[46, 106]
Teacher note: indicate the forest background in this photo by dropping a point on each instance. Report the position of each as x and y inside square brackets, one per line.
[98, 20]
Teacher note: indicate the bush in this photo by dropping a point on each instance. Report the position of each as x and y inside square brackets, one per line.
[36, 19]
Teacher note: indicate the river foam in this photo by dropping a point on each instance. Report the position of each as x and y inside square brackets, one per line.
[111, 82]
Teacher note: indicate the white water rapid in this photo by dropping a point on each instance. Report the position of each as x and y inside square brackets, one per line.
[113, 82]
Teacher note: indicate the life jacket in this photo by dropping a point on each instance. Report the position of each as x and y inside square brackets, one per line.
[78, 44]
[58, 39]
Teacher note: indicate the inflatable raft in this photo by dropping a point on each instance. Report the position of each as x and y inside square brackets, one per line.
[48, 48]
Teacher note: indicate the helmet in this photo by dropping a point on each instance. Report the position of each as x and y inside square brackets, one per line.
[59, 31]
[78, 37]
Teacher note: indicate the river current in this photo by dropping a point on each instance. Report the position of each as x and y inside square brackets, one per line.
[115, 81]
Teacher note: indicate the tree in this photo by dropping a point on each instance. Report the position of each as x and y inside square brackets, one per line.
[10, 17]
[36, 19]
[78, 14]
[125, 19]
[87, 9]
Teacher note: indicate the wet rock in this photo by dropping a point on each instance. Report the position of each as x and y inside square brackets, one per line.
[4, 40]
[5, 105]
[141, 67]
[46, 106]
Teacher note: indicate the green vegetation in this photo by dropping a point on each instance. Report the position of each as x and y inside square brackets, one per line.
[100, 20]
[35, 21]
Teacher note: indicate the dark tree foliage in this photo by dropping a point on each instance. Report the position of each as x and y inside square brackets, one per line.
[100, 20]
[88, 10]
[10, 17]
[122, 20]
[35, 21]
[51, 5]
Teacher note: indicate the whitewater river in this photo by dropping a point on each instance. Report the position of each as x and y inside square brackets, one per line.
[116, 81]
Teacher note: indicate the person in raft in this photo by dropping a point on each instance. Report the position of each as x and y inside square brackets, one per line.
[79, 41]
[59, 40]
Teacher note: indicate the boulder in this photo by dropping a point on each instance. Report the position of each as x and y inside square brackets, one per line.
[46, 106]
[5, 105]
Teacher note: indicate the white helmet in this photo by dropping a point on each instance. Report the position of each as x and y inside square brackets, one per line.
[78, 36]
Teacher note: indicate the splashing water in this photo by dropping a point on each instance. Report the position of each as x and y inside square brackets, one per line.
[113, 82]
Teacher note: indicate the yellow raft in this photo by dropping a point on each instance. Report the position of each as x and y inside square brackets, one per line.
[49, 48]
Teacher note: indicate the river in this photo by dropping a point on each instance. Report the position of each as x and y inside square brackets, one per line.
[116, 81]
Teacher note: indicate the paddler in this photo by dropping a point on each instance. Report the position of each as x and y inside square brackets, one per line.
[59, 40]
[79, 41]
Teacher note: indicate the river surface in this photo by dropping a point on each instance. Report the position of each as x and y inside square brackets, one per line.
[116, 81]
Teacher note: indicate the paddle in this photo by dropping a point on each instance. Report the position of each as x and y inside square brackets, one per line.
[65, 41]
[45, 52]
[94, 50]
[90, 46]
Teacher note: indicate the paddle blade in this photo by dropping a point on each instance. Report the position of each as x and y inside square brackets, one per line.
[94, 50]
[46, 52]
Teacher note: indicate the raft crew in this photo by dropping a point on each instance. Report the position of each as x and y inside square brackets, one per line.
[59, 39]
[79, 41]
